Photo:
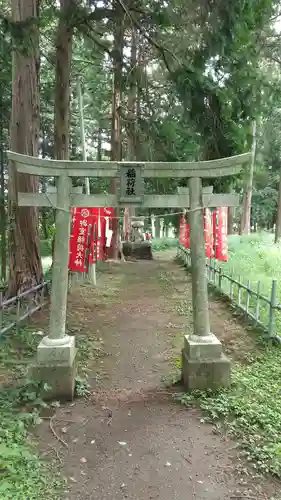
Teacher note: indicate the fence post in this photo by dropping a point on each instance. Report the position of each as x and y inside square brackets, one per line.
[210, 270]
[272, 306]
[258, 301]
[248, 296]
[231, 285]
[214, 272]
[17, 311]
[239, 291]
[1, 311]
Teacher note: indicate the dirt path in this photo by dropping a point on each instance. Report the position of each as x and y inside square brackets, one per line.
[129, 440]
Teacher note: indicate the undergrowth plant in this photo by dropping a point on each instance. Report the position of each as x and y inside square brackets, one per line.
[23, 474]
[159, 244]
[250, 410]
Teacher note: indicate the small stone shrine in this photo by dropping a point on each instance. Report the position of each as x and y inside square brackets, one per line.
[137, 247]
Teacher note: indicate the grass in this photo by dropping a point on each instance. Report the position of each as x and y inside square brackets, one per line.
[159, 244]
[23, 473]
[255, 258]
[250, 410]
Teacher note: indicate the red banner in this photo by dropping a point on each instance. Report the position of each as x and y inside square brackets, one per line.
[220, 234]
[208, 233]
[81, 219]
[89, 230]
[187, 235]
[182, 232]
[103, 217]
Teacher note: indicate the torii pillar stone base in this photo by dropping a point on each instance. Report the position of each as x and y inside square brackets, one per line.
[204, 366]
[56, 367]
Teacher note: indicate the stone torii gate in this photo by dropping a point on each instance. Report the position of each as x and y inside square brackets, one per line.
[204, 364]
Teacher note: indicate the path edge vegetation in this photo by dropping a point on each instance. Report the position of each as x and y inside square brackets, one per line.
[250, 410]
[23, 472]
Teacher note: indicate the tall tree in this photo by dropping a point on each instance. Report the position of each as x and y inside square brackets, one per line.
[245, 226]
[25, 266]
[132, 98]
[132, 117]
[63, 60]
[277, 235]
[3, 252]
[63, 73]
[116, 131]
[5, 107]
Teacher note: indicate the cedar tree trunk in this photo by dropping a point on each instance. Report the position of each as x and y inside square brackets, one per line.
[25, 267]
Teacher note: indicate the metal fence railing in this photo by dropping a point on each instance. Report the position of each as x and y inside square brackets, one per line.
[264, 311]
[14, 311]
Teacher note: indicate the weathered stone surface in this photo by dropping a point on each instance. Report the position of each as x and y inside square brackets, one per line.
[141, 250]
[197, 347]
[137, 222]
[202, 374]
[200, 304]
[64, 353]
[60, 377]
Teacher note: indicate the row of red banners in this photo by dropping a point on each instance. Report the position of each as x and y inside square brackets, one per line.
[90, 235]
[215, 231]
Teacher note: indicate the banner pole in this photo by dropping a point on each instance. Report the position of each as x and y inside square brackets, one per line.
[92, 267]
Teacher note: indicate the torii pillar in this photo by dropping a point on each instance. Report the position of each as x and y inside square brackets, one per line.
[204, 365]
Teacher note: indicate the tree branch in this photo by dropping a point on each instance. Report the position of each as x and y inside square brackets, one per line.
[162, 49]
[88, 31]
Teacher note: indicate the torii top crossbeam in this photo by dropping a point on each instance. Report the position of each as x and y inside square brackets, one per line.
[131, 176]
[205, 169]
